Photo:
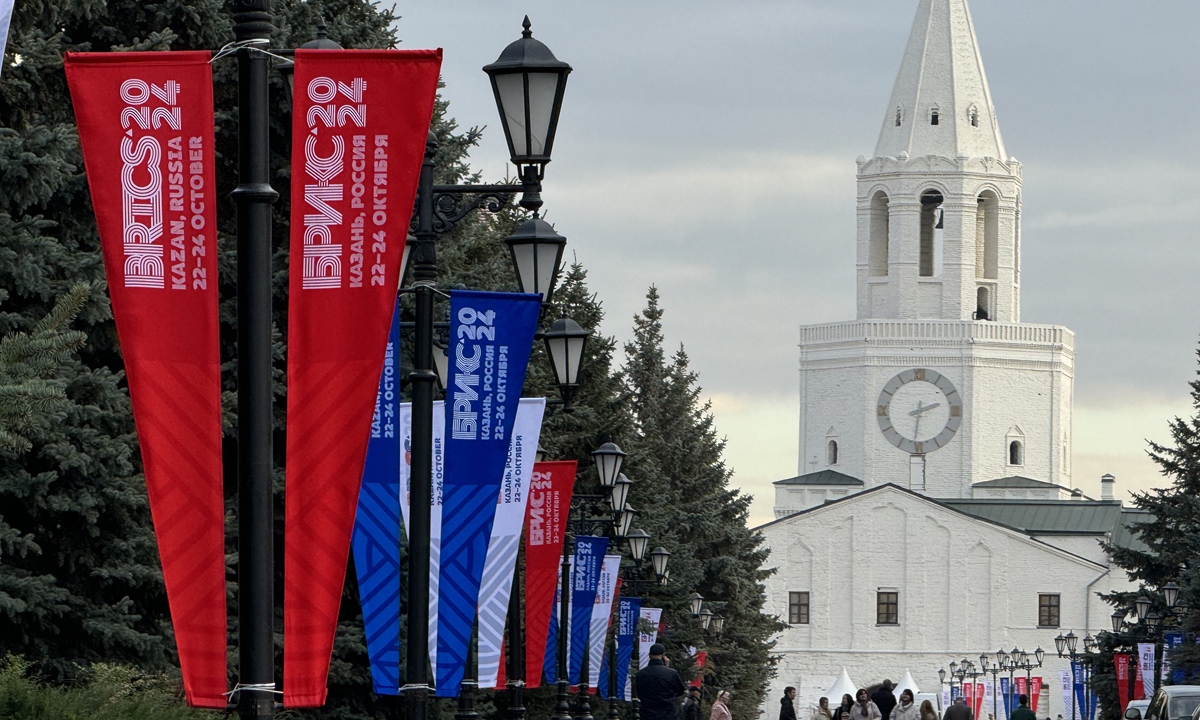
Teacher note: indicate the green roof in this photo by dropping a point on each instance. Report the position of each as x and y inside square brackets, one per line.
[1124, 536]
[824, 477]
[1044, 517]
[1016, 481]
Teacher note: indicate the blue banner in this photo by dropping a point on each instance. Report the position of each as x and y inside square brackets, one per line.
[491, 336]
[1081, 704]
[1007, 692]
[376, 540]
[550, 659]
[628, 610]
[1171, 641]
[585, 576]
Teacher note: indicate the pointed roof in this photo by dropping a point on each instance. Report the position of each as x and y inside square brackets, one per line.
[907, 683]
[942, 70]
[843, 686]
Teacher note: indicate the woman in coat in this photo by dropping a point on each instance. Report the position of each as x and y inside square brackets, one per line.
[842, 712]
[906, 709]
[927, 711]
[720, 707]
[823, 712]
[864, 708]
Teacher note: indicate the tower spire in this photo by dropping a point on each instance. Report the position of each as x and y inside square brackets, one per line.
[941, 104]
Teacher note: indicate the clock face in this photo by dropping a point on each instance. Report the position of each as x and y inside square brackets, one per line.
[919, 411]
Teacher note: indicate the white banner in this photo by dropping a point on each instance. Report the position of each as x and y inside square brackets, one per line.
[1068, 696]
[1146, 665]
[435, 510]
[6, 8]
[601, 615]
[495, 589]
[651, 615]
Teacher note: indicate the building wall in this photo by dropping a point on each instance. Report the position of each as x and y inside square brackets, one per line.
[965, 586]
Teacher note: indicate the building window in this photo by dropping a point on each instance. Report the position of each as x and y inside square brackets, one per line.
[932, 224]
[877, 261]
[899, 116]
[1048, 611]
[1016, 453]
[887, 607]
[933, 117]
[798, 608]
[831, 452]
[973, 115]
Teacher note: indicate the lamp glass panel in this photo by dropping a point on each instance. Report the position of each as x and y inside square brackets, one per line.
[547, 264]
[659, 558]
[441, 365]
[638, 542]
[697, 601]
[525, 258]
[706, 617]
[1143, 606]
[542, 88]
[620, 493]
[718, 623]
[626, 520]
[1039, 654]
[1118, 618]
[560, 358]
[1171, 594]
[511, 89]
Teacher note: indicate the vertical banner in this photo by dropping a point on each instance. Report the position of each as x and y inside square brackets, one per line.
[376, 540]
[606, 589]
[990, 701]
[360, 119]
[146, 126]
[1035, 693]
[585, 580]
[498, 568]
[546, 519]
[968, 690]
[701, 658]
[1121, 667]
[1146, 667]
[435, 502]
[1006, 693]
[631, 610]
[646, 639]
[1171, 641]
[978, 699]
[1068, 696]
[550, 661]
[492, 335]
[1139, 690]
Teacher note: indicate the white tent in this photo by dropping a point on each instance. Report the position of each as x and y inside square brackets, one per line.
[843, 686]
[906, 683]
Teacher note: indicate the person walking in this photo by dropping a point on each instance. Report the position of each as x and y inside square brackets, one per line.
[842, 712]
[691, 704]
[720, 707]
[927, 711]
[658, 686]
[823, 712]
[864, 708]
[906, 709]
[1023, 712]
[884, 699]
[787, 704]
[957, 711]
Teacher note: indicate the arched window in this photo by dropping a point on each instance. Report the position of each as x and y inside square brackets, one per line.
[1016, 453]
[899, 116]
[877, 262]
[932, 223]
[983, 304]
[934, 116]
[987, 236]
[973, 116]
[831, 453]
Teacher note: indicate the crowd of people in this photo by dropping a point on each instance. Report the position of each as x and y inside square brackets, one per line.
[884, 705]
[659, 688]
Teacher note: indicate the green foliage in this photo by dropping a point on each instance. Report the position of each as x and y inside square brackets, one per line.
[108, 692]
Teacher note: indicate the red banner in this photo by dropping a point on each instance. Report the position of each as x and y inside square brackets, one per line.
[978, 699]
[1121, 665]
[701, 656]
[1139, 684]
[1034, 693]
[545, 526]
[146, 126]
[360, 119]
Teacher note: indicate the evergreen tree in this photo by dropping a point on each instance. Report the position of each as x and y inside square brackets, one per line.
[679, 474]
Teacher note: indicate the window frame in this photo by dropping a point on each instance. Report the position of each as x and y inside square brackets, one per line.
[882, 605]
[799, 606]
[1049, 608]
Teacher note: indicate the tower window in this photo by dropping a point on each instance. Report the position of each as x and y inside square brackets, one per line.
[973, 116]
[932, 223]
[831, 452]
[899, 116]
[877, 260]
[1016, 453]
[933, 117]
[982, 302]
[987, 236]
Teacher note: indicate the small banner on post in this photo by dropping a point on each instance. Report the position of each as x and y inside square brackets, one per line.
[606, 589]
[498, 569]
[435, 502]
[628, 610]
[585, 580]
[646, 639]
[492, 336]
[376, 541]
[546, 520]
[146, 126]
[1121, 666]
[360, 121]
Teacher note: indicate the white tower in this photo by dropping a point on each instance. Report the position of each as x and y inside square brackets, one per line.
[937, 386]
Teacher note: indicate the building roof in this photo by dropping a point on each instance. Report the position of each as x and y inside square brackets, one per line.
[1124, 534]
[824, 477]
[1045, 517]
[943, 70]
[1016, 481]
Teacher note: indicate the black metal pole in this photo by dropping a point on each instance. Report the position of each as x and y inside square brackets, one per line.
[466, 694]
[562, 708]
[416, 686]
[256, 519]
[516, 646]
[583, 705]
[612, 669]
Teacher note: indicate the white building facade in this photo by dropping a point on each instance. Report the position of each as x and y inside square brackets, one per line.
[933, 517]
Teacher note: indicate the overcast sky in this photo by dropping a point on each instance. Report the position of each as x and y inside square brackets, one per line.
[708, 148]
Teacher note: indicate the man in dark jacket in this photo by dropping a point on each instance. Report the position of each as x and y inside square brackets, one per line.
[1023, 712]
[658, 687]
[957, 711]
[787, 706]
[691, 705]
[884, 699]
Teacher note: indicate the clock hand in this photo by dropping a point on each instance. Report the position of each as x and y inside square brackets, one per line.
[920, 409]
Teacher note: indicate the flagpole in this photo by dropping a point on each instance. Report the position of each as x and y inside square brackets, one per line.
[256, 518]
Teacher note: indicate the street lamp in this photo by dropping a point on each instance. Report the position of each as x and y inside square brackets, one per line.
[941, 676]
[564, 344]
[1118, 620]
[718, 624]
[1072, 641]
[608, 458]
[639, 540]
[626, 521]
[658, 560]
[1143, 606]
[536, 251]
[696, 601]
[541, 454]
[1171, 594]
[620, 493]
[1039, 654]
[706, 617]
